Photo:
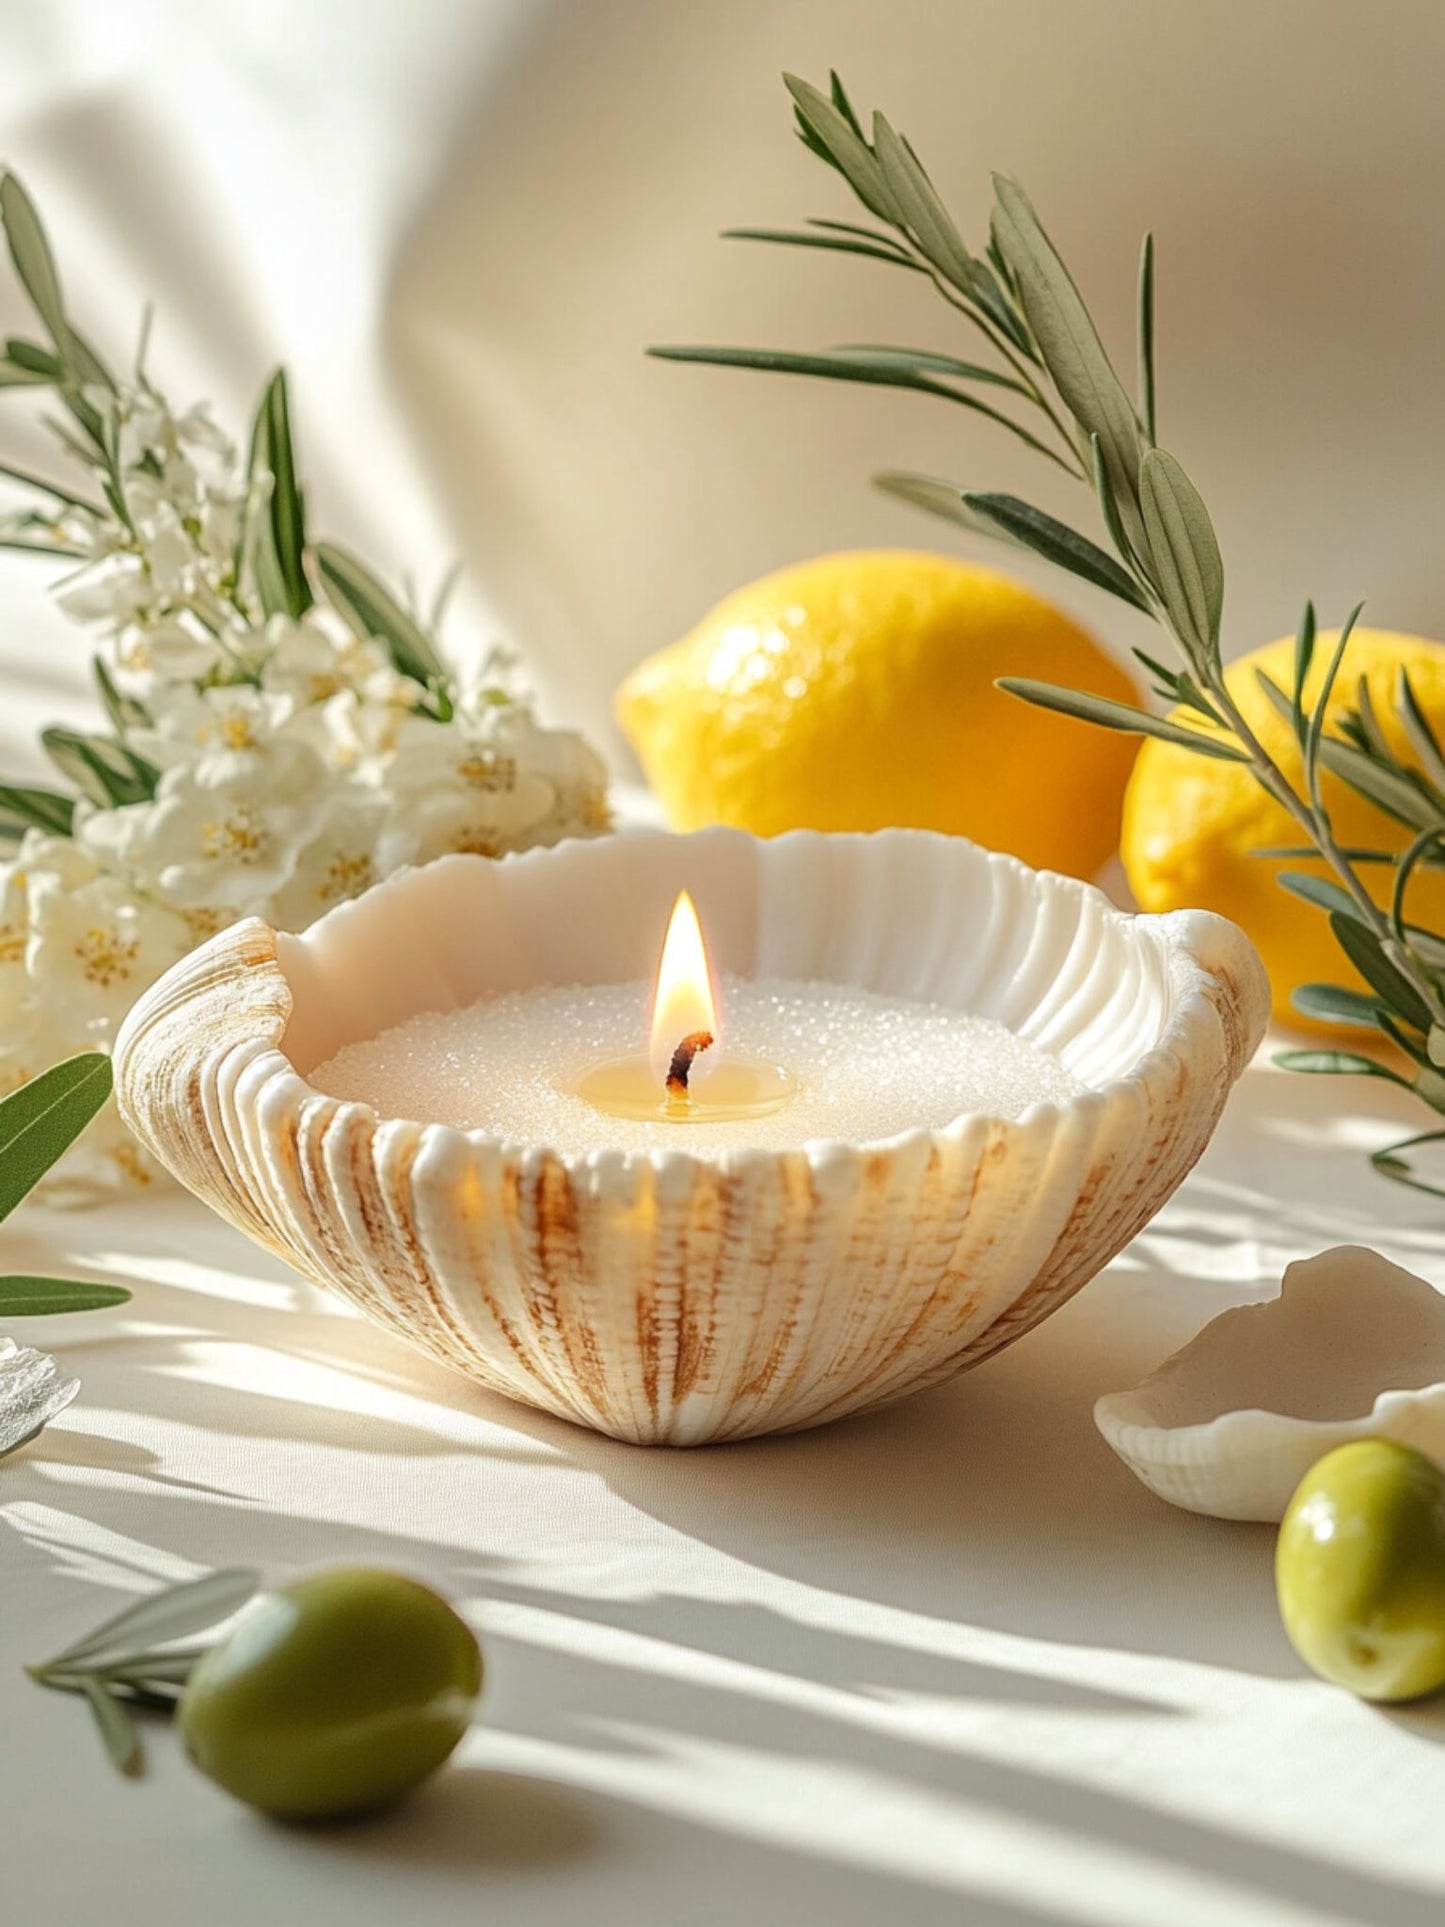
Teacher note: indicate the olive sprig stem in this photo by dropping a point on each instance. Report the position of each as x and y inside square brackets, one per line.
[133, 1660]
[1163, 560]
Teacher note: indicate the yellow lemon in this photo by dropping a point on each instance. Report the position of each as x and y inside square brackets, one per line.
[856, 692]
[1190, 825]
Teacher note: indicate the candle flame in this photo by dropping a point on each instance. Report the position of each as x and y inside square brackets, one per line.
[683, 1002]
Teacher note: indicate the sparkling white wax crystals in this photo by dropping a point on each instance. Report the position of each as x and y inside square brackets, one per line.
[869, 1066]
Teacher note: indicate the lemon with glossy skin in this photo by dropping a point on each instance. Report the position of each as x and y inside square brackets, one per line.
[1191, 823]
[856, 692]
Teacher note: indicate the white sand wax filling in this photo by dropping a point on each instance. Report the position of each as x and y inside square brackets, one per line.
[869, 1066]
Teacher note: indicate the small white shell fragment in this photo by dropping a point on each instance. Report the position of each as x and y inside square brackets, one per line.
[1352, 1348]
[661, 1295]
[32, 1390]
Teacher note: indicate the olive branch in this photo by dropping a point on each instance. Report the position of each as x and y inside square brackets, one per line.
[1050, 382]
[38, 1124]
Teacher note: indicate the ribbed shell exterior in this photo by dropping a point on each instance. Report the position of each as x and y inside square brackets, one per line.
[667, 1298]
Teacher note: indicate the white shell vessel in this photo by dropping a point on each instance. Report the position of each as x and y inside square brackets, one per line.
[666, 1297]
[1353, 1348]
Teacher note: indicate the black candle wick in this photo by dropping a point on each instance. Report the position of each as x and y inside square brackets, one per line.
[680, 1068]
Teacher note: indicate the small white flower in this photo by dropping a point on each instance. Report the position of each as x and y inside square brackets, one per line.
[33, 1040]
[455, 789]
[170, 557]
[461, 756]
[141, 424]
[196, 428]
[339, 862]
[55, 862]
[304, 662]
[149, 656]
[96, 948]
[14, 941]
[110, 590]
[227, 830]
[230, 720]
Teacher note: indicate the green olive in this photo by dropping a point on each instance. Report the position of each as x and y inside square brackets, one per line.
[1360, 1570]
[333, 1696]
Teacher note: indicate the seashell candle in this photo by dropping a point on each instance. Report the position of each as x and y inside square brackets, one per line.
[964, 1086]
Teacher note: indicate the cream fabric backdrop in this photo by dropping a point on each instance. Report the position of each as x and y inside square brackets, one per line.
[459, 224]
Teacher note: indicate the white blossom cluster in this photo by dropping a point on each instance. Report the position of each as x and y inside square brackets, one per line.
[277, 763]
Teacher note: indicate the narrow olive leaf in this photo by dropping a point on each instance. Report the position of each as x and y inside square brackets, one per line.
[1422, 737]
[34, 263]
[106, 773]
[1070, 345]
[1187, 569]
[1324, 894]
[1304, 655]
[1332, 1004]
[171, 1668]
[1408, 1040]
[929, 361]
[22, 1297]
[1146, 336]
[923, 213]
[1032, 529]
[43, 1118]
[1412, 859]
[24, 545]
[1177, 686]
[32, 359]
[88, 366]
[1338, 1063]
[1298, 852]
[1112, 715]
[45, 809]
[370, 611]
[836, 243]
[847, 150]
[1109, 506]
[999, 265]
[1275, 696]
[810, 139]
[843, 366]
[276, 530]
[174, 1613]
[863, 233]
[287, 505]
[1366, 953]
[52, 489]
[125, 712]
[865, 365]
[12, 376]
[937, 498]
[1390, 1164]
[1372, 737]
[838, 93]
[117, 1728]
[1314, 735]
[1392, 789]
[996, 298]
